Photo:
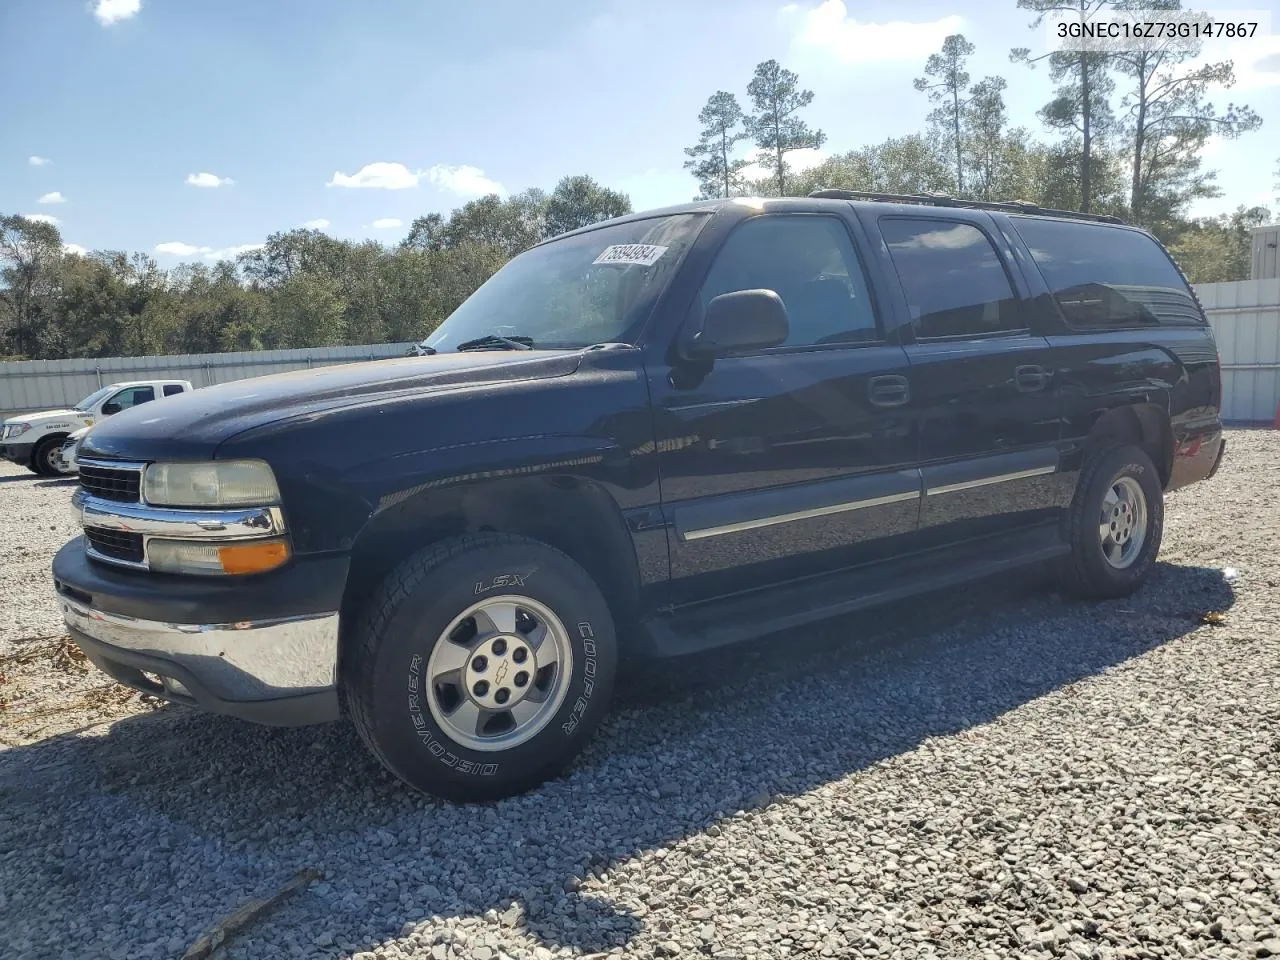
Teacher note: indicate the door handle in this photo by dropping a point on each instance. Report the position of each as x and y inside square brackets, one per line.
[1031, 378]
[888, 391]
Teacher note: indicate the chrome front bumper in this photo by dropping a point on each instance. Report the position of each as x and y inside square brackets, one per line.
[280, 671]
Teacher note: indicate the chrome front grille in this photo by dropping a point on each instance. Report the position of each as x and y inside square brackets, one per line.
[115, 545]
[107, 481]
[119, 533]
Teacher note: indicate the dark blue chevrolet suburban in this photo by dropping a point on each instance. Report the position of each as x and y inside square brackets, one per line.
[652, 436]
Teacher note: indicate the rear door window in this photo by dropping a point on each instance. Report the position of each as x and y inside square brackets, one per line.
[1105, 276]
[171, 388]
[953, 279]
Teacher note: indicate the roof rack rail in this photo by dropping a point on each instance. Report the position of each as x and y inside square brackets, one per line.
[945, 200]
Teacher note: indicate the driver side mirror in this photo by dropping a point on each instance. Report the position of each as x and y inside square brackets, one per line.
[737, 323]
[110, 407]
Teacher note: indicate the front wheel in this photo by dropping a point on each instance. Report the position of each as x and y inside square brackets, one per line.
[481, 667]
[1115, 524]
[47, 458]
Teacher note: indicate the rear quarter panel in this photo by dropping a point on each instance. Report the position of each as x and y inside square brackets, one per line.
[1174, 368]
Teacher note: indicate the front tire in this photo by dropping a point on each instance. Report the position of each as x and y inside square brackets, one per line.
[46, 460]
[481, 667]
[1115, 524]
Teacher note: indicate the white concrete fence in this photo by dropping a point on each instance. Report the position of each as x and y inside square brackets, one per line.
[27, 385]
[1246, 323]
[1245, 316]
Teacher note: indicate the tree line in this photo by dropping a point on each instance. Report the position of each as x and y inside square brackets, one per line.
[1123, 133]
[301, 288]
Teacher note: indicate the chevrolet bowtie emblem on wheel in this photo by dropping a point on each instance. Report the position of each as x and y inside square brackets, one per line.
[501, 673]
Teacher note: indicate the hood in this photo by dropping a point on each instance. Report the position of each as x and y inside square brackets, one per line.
[191, 425]
[43, 417]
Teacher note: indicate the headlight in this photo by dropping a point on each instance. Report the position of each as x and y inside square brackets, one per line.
[194, 556]
[15, 430]
[227, 483]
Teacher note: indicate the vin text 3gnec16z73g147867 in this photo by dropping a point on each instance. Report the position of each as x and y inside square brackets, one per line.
[659, 434]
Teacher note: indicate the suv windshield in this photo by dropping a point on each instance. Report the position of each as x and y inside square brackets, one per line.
[595, 287]
[93, 398]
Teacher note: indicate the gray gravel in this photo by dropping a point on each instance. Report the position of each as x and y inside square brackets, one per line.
[995, 773]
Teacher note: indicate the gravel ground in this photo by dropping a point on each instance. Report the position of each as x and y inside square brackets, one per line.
[995, 773]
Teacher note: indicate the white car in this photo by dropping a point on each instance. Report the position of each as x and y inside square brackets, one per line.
[70, 447]
[35, 440]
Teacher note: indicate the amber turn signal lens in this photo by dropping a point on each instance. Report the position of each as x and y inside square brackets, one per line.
[253, 557]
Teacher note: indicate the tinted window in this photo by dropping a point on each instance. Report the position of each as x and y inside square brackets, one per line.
[810, 263]
[171, 388]
[1107, 276]
[132, 396]
[954, 282]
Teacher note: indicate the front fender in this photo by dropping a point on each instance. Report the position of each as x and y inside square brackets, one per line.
[339, 470]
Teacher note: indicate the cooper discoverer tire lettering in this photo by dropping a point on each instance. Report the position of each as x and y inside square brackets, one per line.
[481, 666]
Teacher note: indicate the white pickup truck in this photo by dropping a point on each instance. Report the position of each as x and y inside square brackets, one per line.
[35, 440]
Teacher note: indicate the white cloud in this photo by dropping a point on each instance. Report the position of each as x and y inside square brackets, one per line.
[1256, 61]
[387, 223]
[41, 218]
[828, 29]
[317, 224]
[465, 180]
[54, 197]
[208, 180]
[797, 162]
[177, 248]
[113, 11]
[1212, 148]
[380, 176]
[75, 248]
[948, 238]
[38, 161]
[230, 253]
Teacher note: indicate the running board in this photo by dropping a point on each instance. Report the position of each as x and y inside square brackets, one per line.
[718, 623]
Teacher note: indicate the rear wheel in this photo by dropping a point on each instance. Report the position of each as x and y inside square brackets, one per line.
[481, 667]
[1115, 524]
[46, 460]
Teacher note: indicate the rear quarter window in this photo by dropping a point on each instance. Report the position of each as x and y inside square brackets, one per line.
[1103, 276]
[171, 388]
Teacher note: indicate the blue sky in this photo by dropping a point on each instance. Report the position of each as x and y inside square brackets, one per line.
[191, 129]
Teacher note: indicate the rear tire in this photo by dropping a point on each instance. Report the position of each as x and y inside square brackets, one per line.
[47, 456]
[481, 667]
[1115, 524]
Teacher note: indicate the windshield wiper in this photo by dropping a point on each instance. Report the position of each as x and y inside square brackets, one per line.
[493, 340]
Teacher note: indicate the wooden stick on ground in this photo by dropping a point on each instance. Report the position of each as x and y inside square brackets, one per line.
[25, 656]
[231, 924]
